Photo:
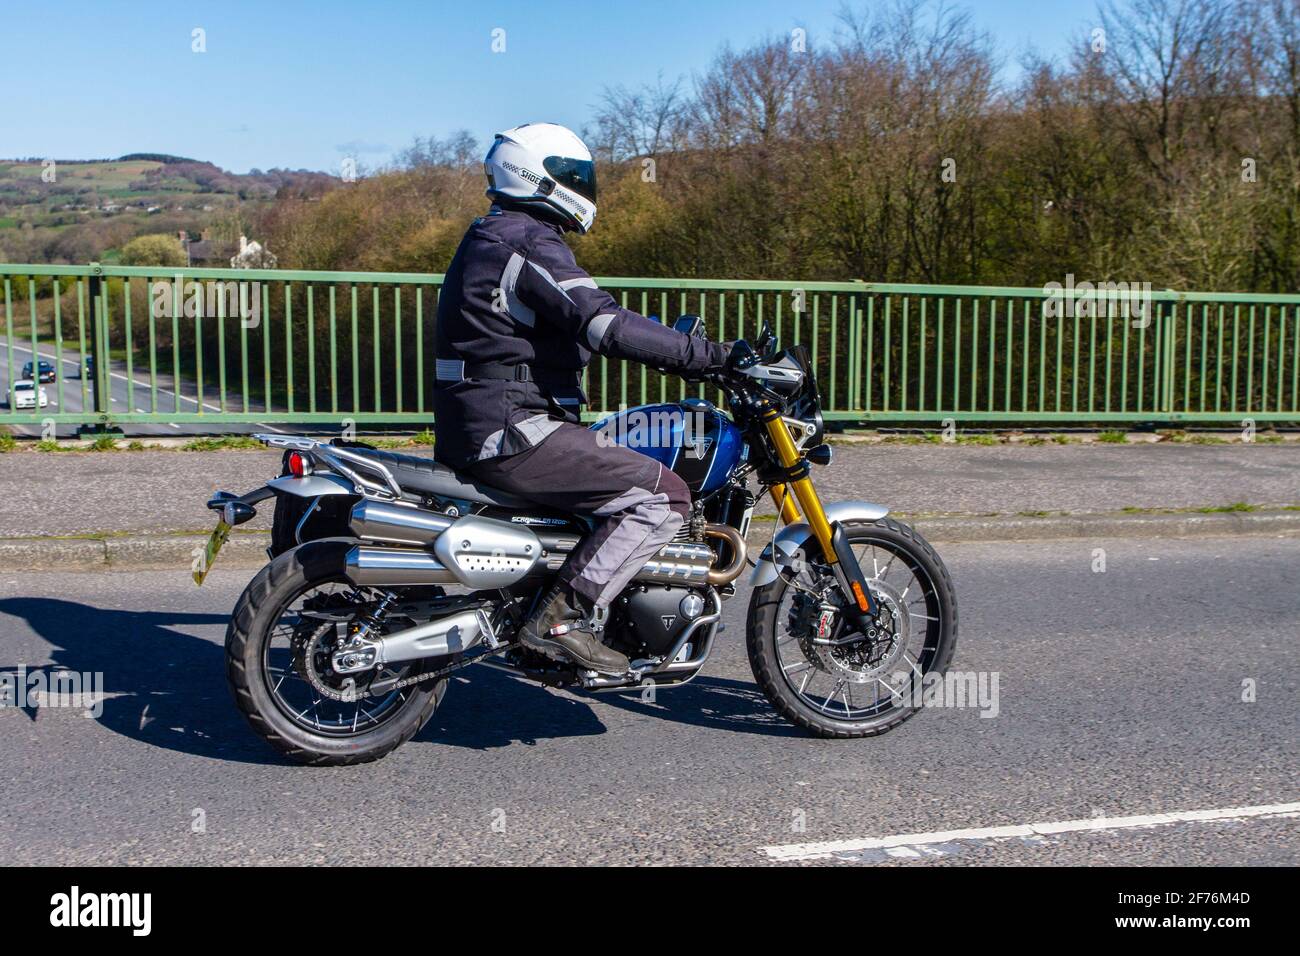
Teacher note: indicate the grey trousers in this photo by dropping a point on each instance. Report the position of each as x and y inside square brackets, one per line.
[638, 504]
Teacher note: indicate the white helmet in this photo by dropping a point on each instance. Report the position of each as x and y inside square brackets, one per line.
[544, 164]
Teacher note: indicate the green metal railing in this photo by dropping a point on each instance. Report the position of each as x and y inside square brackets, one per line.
[268, 346]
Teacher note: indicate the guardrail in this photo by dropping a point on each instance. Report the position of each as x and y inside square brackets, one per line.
[276, 346]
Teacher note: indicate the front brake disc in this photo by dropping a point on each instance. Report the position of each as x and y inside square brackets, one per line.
[852, 655]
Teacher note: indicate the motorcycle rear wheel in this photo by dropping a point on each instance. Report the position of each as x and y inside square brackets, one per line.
[255, 683]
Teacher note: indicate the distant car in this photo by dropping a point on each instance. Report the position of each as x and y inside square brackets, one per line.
[27, 394]
[46, 371]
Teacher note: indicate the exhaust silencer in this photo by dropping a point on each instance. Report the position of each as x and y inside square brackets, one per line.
[392, 566]
[394, 524]
[486, 553]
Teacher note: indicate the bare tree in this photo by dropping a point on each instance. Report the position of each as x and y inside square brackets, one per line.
[641, 122]
[1169, 67]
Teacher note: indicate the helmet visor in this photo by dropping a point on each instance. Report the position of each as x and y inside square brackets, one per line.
[576, 174]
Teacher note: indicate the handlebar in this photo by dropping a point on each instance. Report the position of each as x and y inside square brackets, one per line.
[730, 376]
[732, 379]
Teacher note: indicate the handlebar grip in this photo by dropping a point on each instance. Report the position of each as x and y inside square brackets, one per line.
[740, 356]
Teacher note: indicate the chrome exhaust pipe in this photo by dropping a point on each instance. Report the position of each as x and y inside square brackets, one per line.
[386, 567]
[679, 562]
[739, 553]
[691, 563]
[394, 524]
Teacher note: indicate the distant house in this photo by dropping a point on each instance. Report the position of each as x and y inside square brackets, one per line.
[252, 255]
[210, 253]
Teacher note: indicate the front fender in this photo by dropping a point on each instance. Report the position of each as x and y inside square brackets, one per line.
[791, 540]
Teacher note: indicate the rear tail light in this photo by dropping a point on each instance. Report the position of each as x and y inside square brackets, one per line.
[299, 464]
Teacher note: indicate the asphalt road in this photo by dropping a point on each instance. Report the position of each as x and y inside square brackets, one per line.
[1120, 693]
[128, 394]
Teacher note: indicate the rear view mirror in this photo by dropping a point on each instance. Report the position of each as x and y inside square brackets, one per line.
[690, 325]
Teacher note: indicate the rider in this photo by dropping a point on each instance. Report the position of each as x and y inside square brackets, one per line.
[517, 323]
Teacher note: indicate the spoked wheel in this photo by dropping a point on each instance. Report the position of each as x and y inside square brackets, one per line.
[279, 647]
[825, 674]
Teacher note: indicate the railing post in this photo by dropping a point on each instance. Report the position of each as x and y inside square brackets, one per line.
[858, 383]
[95, 350]
[1167, 331]
[99, 349]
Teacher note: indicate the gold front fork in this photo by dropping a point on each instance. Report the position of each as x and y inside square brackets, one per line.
[784, 502]
[788, 457]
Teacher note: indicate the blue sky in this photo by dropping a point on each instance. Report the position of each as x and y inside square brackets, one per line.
[300, 84]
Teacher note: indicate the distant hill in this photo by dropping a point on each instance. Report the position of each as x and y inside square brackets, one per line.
[73, 211]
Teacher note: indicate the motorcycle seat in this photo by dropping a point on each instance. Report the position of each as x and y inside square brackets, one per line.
[424, 476]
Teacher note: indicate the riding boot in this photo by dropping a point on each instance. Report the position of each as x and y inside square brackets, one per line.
[559, 629]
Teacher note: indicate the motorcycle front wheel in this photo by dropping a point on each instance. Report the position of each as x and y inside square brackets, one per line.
[824, 674]
[277, 663]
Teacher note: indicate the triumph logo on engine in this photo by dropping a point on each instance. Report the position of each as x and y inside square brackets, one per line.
[669, 620]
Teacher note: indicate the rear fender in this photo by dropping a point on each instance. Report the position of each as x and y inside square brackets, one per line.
[313, 486]
[308, 508]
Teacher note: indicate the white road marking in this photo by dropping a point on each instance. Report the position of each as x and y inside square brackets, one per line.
[913, 844]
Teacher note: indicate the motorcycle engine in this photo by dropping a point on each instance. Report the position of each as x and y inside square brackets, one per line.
[650, 618]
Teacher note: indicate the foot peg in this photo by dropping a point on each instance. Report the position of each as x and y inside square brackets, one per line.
[574, 642]
[560, 630]
[595, 680]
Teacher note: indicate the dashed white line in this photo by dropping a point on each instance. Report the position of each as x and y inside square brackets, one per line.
[913, 844]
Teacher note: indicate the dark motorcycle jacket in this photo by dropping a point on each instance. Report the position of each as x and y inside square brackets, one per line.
[518, 320]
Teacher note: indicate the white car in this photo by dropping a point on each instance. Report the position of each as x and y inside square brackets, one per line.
[27, 393]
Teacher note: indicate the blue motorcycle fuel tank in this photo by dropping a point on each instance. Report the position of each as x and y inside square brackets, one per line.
[692, 438]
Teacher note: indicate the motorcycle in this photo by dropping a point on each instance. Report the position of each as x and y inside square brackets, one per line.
[390, 572]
